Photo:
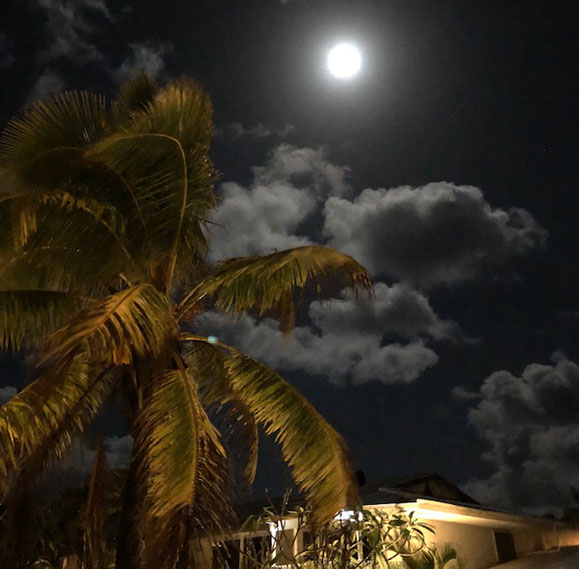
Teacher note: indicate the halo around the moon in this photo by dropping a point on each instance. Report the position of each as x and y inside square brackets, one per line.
[344, 61]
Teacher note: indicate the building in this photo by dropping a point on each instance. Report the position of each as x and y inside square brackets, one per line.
[483, 537]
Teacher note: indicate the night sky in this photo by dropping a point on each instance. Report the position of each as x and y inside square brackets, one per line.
[449, 167]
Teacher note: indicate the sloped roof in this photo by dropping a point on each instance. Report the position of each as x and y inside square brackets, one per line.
[429, 485]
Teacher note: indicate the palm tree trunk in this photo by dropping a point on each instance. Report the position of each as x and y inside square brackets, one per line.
[128, 536]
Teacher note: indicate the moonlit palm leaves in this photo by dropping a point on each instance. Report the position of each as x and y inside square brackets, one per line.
[103, 255]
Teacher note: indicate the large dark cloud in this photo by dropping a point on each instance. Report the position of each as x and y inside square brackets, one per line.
[530, 426]
[438, 233]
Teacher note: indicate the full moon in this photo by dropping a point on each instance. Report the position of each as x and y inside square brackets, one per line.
[344, 61]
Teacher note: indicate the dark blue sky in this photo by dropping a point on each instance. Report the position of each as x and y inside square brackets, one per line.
[480, 95]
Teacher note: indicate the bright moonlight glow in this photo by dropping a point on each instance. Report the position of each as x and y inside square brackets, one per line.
[344, 61]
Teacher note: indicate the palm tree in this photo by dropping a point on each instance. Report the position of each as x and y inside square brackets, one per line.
[104, 267]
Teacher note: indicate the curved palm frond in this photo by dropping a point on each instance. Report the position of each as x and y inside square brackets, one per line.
[134, 321]
[267, 283]
[39, 422]
[315, 452]
[43, 147]
[28, 316]
[162, 154]
[178, 453]
[241, 430]
[80, 242]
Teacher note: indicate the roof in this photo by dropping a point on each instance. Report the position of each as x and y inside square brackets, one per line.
[429, 485]
[425, 490]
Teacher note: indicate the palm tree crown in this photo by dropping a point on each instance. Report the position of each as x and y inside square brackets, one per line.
[104, 243]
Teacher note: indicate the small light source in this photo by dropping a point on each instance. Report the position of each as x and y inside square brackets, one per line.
[344, 61]
[212, 339]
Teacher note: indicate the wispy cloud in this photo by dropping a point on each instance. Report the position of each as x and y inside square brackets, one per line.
[72, 26]
[49, 83]
[236, 131]
[77, 31]
[148, 58]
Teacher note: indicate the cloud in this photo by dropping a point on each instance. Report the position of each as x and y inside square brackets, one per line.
[118, 450]
[307, 168]
[439, 233]
[6, 57]
[49, 83]
[268, 214]
[461, 394]
[71, 25]
[436, 234]
[6, 393]
[80, 459]
[341, 341]
[148, 58]
[397, 310]
[236, 131]
[529, 426]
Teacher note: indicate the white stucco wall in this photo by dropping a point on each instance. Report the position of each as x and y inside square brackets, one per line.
[475, 544]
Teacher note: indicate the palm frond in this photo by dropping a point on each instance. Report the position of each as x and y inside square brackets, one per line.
[38, 423]
[162, 154]
[134, 321]
[96, 513]
[178, 453]
[135, 95]
[267, 284]
[43, 147]
[77, 240]
[27, 316]
[315, 452]
[238, 425]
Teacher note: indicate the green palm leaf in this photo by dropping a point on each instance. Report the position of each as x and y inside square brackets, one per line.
[27, 316]
[178, 453]
[240, 427]
[43, 148]
[267, 284]
[162, 154]
[39, 422]
[136, 321]
[136, 94]
[315, 452]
